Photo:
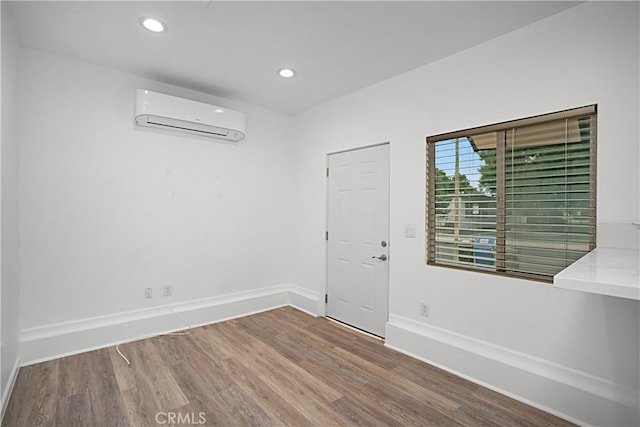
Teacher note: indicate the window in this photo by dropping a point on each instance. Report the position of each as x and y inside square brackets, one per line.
[515, 198]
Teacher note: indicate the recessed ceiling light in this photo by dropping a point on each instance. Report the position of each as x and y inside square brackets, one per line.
[287, 73]
[153, 24]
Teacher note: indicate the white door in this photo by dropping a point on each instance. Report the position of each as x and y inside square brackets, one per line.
[358, 236]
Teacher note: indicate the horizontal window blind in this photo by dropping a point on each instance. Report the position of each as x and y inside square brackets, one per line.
[516, 198]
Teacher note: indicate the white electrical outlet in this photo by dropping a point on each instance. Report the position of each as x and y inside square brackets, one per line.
[148, 292]
[167, 290]
[410, 231]
[424, 309]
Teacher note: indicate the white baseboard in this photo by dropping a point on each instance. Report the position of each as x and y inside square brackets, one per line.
[63, 339]
[305, 300]
[571, 394]
[8, 389]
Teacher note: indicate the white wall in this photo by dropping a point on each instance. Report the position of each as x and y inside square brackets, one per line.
[108, 209]
[586, 55]
[9, 277]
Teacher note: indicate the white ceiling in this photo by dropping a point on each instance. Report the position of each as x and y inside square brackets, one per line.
[233, 49]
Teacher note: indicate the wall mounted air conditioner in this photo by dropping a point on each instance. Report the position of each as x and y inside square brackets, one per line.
[168, 112]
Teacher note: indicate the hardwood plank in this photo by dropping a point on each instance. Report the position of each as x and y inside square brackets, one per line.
[472, 411]
[405, 407]
[149, 369]
[337, 373]
[295, 385]
[523, 413]
[359, 415]
[74, 410]
[236, 338]
[90, 379]
[485, 415]
[320, 360]
[34, 398]
[385, 406]
[309, 395]
[202, 395]
[310, 406]
[292, 335]
[122, 371]
[155, 389]
[195, 416]
[261, 329]
[140, 405]
[107, 407]
[472, 416]
[192, 356]
[357, 343]
[73, 378]
[205, 339]
[270, 401]
[254, 352]
[281, 367]
[401, 385]
[244, 409]
[294, 316]
[456, 388]
[171, 348]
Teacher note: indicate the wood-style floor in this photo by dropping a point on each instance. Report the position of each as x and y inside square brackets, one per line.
[281, 367]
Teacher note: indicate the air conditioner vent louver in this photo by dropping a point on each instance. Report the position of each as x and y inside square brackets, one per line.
[182, 115]
[189, 126]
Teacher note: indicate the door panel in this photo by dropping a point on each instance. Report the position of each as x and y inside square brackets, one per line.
[358, 221]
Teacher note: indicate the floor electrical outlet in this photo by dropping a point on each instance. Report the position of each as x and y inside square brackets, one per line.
[148, 293]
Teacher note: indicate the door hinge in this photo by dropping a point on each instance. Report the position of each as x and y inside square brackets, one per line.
[326, 298]
[326, 235]
[327, 172]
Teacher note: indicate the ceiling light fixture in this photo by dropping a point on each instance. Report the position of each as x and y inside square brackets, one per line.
[153, 25]
[286, 73]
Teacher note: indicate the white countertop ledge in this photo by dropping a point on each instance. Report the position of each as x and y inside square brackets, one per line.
[605, 271]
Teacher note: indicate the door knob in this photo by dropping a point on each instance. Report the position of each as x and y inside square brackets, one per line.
[382, 257]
